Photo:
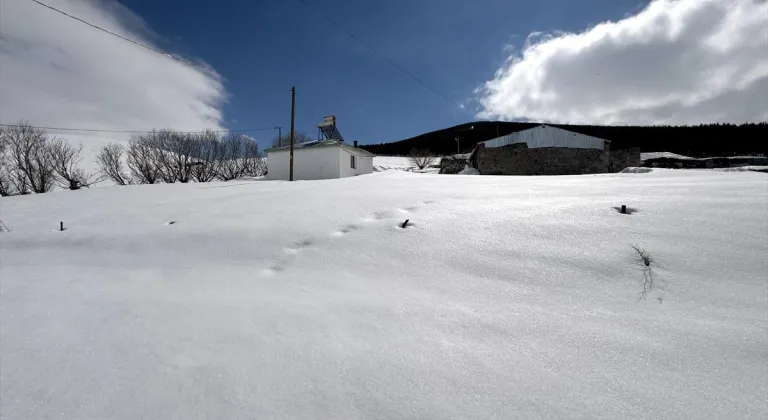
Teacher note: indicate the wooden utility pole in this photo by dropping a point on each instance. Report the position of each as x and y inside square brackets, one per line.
[293, 113]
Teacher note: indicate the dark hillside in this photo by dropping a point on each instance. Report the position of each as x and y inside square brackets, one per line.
[696, 141]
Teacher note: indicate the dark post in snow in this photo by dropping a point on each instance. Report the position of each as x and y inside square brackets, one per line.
[293, 113]
[61, 226]
[623, 209]
[405, 224]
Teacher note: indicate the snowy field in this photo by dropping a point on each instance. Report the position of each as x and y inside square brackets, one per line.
[400, 163]
[507, 298]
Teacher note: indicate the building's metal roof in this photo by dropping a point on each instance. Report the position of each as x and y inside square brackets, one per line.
[323, 143]
[548, 136]
[313, 143]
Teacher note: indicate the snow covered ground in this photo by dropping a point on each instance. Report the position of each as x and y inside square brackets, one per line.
[400, 163]
[659, 155]
[756, 168]
[506, 298]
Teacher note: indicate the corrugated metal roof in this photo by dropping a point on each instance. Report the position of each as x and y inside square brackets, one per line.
[547, 136]
[323, 143]
[313, 143]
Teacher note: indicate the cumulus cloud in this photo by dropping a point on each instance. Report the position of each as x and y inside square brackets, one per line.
[55, 71]
[674, 62]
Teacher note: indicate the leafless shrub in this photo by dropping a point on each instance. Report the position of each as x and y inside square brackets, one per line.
[4, 227]
[421, 158]
[171, 156]
[646, 264]
[231, 166]
[6, 185]
[110, 161]
[253, 163]
[240, 157]
[141, 159]
[30, 157]
[209, 151]
[183, 148]
[175, 155]
[65, 158]
[12, 181]
[6, 169]
[151, 159]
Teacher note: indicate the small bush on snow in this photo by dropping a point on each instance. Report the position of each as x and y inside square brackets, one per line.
[646, 264]
[421, 158]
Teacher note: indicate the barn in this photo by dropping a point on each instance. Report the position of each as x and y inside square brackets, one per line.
[548, 150]
[321, 159]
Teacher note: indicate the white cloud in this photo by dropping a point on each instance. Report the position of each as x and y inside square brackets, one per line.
[675, 62]
[55, 71]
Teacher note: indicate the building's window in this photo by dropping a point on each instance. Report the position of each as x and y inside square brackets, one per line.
[352, 161]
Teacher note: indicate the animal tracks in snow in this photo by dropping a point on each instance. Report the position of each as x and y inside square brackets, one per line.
[284, 260]
[298, 246]
[345, 230]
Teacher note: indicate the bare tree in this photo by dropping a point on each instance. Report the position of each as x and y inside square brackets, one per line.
[65, 158]
[234, 150]
[12, 180]
[141, 159]
[30, 156]
[254, 164]
[421, 158]
[6, 183]
[6, 168]
[110, 161]
[175, 155]
[157, 144]
[209, 152]
[285, 140]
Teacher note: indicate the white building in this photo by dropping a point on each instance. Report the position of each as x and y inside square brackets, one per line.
[322, 159]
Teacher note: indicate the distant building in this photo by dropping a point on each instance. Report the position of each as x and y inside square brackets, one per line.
[321, 159]
[675, 161]
[547, 150]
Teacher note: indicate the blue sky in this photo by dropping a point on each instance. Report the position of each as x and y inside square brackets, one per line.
[603, 62]
[262, 48]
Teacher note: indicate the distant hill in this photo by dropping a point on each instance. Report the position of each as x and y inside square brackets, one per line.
[696, 141]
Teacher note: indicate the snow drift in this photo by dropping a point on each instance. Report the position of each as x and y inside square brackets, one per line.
[506, 297]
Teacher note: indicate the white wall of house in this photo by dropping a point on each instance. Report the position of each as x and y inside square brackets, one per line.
[308, 163]
[363, 164]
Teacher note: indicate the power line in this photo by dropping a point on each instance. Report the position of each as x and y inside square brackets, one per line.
[385, 58]
[96, 130]
[173, 57]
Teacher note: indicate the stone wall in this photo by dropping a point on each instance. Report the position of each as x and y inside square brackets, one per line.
[624, 158]
[452, 165]
[519, 160]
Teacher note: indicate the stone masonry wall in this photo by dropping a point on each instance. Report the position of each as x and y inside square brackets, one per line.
[625, 158]
[541, 161]
[519, 160]
[452, 165]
